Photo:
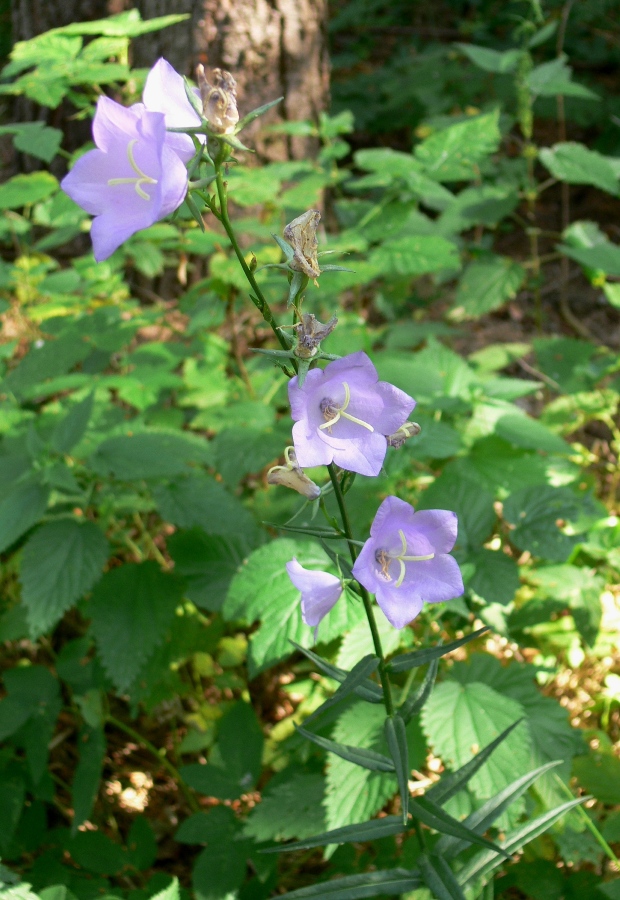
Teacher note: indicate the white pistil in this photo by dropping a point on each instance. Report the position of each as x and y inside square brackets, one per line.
[341, 412]
[383, 558]
[142, 177]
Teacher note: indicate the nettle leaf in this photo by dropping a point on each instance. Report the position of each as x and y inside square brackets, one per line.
[455, 153]
[33, 700]
[61, 561]
[92, 747]
[576, 164]
[486, 285]
[542, 515]
[35, 138]
[460, 719]
[555, 77]
[414, 255]
[355, 794]
[70, 430]
[262, 590]
[208, 562]
[149, 454]
[578, 588]
[131, 608]
[24, 190]
[291, 807]
[522, 431]
[21, 508]
[496, 577]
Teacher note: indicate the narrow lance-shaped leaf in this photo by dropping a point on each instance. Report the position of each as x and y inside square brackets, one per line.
[454, 782]
[367, 759]
[484, 863]
[367, 690]
[91, 745]
[437, 818]
[483, 818]
[439, 878]
[396, 737]
[390, 882]
[413, 704]
[406, 661]
[356, 676]
[255, 113]
[365, 831]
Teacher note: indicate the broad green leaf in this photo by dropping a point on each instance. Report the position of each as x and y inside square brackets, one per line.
[46, 360]
[568, 361]
[406, 661]
[491, 60]
[239, 451]
[70, 430]
[141, 844]
[555, 77]
[484, 204]
[602, 256]
[358, 641]
[496, 578]
[365, 831]
[262, 590]
[91, 746]
[33, 700]
[390, 882]
[61, 561]
[576, 164]
[20, 509]
[208, 562]
[24, 190]
[391, 165]
[599, 774]
[291, 806]
[396, 739]
[367, 759]
[125, 24]
[131, 609]
[546, 520]
[149, 454]
[486, 285]
[221, 868]
[35, 138]
[473, 506]
[200, 501]
[414, 255]
[12, 796]
[580, 589]
[438, 876]
[460, 719]
[171, 892]
[522, 431]
[95, 852]
[455, 153]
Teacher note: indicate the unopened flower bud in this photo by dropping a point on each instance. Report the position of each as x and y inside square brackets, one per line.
[290, 475]
[409, 429]
[301, 235]
[310, 333]
[219, 100]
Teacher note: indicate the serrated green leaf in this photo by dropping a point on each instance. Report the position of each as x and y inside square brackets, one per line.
[541, 514]
[491, 60]
[523, 431]
[414, 255]
[365, 831]
[358, 641]
[62, 560]
[70, 430]
[21, 508]
[35, 138]
[200, 501]
[208, 562]
[367, 759]
[291, 806]
[12, 796]
[406, 661]
[604, 256]
[555, 77]
[23, 190]
[454, 153]
[472, 504]
[149, 454]
[486, 285]
[91, 746]
[131, 609]
[388, 882]
[576, 164]
[496, 578]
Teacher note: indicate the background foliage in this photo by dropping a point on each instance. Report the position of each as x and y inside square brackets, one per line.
[146, 617]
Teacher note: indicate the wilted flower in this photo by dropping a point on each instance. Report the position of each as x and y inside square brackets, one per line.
[409, 429]
[219, 100]
[290, 475]
[131, 180]
[164, 92]
[405, 561]
[343, 414]
[319, 591]
[301, 235]
[310, 333]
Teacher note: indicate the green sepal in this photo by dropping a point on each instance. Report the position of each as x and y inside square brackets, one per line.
[195, 101]
[299, 529]
[391, 882]
[193, 208]
[414, 703]
[303, 367]
[396, 737]
[285, 247]
[233, 142]
[454, 782]
[335, 269]
[366, 759]
[358, 674]
[277, 354]
[255, 113]
[365, 831]
[406, 661]
[483, 818]
[367, 690]
[439, 878]
[484, 862]
[438, 819]
[299, 283]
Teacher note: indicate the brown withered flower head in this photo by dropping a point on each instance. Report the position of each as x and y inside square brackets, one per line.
[409, 429]
[292, 476]
[301, 235]
[219, 100]
[310, 333]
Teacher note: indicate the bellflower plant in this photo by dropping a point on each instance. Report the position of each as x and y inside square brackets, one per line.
[343, 414]
[405, 561]
[131, 180]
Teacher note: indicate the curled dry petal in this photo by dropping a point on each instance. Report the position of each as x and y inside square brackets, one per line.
[310, 333]
[219, 99]
[409, 429]
[301, 235]
[291, 476]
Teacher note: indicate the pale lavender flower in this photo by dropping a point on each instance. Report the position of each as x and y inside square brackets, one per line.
[405, 561]
[164, 92]
[343, 414]
[319, 591]
[131, 180]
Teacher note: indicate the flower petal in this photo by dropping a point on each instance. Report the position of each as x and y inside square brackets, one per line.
[400, 607]
[320, 591]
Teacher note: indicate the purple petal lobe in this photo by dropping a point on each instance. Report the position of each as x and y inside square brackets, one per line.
[164, 92]
[319, 591]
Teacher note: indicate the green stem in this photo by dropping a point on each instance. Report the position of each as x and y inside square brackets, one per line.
[172, 770]
[258, 299]
[587, 821]
[370, 615]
